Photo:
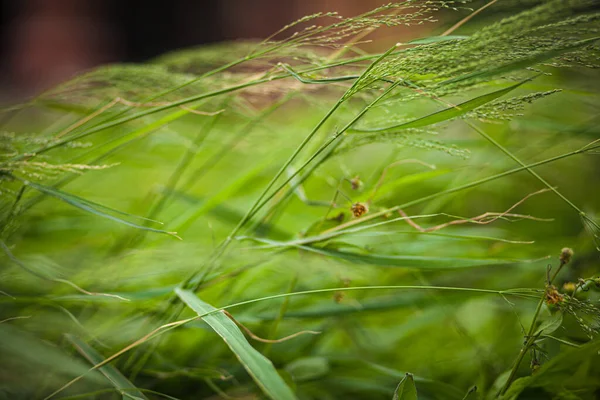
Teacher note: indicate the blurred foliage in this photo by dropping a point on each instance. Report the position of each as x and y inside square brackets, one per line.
[368, 237]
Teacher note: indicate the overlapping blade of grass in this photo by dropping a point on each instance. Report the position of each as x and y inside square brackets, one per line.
[34, 354]
[209, 310]
[120, 382]
[117, 142]
[225, 213]
[560, 370]
[188, 218]
[52, 275]
[260, 368]
[520, 64]
[586, 219]
[369, 217]
[407, 261]
[391, 187]
[406, 389]
[331, 309]
[95, 208]
[448, 113]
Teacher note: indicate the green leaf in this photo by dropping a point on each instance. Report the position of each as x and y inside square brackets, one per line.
[550, 325]
[406, 389]
[430, 389]
[259, 367]
[410, 261]
[122, 384]
[448, 113]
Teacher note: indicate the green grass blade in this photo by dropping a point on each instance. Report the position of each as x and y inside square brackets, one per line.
[437, 39]
[408, 261]
[122, 384]
[94, 208]
[260, 368]
[299, 78]
[520, 64]
[448, 113]
[406, 389]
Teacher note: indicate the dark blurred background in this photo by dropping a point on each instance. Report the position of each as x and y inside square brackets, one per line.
[45, 42]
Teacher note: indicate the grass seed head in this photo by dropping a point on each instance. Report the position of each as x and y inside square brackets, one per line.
[565, 255]
[553, 297]
[359, 209]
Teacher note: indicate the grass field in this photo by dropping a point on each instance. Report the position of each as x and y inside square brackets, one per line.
[296, 218]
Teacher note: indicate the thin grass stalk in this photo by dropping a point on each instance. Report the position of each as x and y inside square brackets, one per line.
[530, 338]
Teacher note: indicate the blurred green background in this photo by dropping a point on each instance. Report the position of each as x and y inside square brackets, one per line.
[199, 175]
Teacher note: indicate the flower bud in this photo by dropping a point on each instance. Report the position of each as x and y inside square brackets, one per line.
[565, 255]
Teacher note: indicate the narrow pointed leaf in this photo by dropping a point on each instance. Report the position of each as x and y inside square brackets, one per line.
[409, 261]
[406, 389]
[258, 366]
[448, 113]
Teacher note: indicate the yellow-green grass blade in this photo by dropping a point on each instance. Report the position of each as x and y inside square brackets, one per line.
[406, 389]
[259, 367]
[446, 114]
[94, 208]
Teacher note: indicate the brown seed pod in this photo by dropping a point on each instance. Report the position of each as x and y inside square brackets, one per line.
[359, 209]
[553, 296]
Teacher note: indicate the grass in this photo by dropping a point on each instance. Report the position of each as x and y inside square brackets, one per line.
[298, 219]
